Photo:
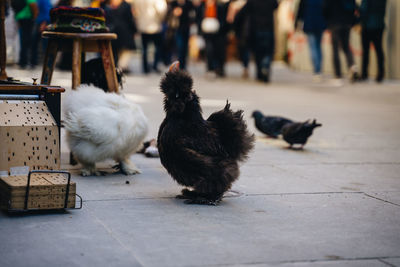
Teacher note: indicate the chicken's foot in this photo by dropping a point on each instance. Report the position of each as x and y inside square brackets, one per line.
[187, 194]
[203, 201]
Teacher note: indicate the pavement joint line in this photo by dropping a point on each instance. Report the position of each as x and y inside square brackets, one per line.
[329, 163]
[386, 263]
[339, 259]
[250, 195]
[303, 193]
[110, 232]
[380, 199]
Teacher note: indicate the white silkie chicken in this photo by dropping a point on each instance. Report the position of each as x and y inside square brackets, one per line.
[103, 126]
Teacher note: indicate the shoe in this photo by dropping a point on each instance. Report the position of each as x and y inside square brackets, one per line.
[210, 75]
[220, 73]
[353, 74]
[317, 78]
[264, 75]
[245, 73]
[379, 79]
[336, 82]
[363, 78]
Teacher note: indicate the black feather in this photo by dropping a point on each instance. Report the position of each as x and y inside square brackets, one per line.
[298, 132]
[92, 72]
[269, 125]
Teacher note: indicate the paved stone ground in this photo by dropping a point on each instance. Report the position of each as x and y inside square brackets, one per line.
[337, 203]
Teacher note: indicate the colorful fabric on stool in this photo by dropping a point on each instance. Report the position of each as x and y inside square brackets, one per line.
[76, 19]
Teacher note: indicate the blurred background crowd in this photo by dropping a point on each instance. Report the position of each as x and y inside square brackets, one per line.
[348, 39]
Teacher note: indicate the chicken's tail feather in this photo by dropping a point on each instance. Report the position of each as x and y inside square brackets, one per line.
[71, 122]
[232, 128]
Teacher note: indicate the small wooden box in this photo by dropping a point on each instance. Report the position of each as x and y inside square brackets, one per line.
[29, 136]
[46, 191]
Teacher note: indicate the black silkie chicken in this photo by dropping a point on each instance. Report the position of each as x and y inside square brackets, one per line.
[92, 72]
[269, 125]
[200, 154]
[298, 132]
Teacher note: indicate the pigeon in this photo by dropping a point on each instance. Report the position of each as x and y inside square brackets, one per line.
[298, 132]
[269, 125]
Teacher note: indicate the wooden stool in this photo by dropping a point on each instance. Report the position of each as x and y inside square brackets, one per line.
[81, 43]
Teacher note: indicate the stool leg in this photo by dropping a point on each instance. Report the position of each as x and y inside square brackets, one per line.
[49, 61]
[109, 65]
[76, 63]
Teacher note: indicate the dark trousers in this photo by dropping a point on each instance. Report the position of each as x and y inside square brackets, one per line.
[39, 45]
[263, 48]
[215, 52]
[156, 39]
[244, 53]
[372, 36]
[25, 28]
[340, 38]
[182, 44]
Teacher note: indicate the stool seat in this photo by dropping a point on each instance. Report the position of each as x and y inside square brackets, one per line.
[79, 43]
[87, 36]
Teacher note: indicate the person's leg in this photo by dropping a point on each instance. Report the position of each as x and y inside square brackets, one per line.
[25, 34]
[220, 54]
[258, 52]
[365, 40]
[158, 43]
[182, 42]
[209, 39]
[312, 42]
[35, 45]
[352, 67]
[244, 55]
[345, 41]
[145, 43]
[335, 47]
[264, 52]
[377, 40]
[318, 52]
[266, 63]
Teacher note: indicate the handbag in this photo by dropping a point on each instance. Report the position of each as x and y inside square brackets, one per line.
[210, 25]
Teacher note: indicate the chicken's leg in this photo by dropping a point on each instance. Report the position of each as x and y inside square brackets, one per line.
[194, 197]
[127, 167]
[203, 200]
[187, 194]
[88, 169]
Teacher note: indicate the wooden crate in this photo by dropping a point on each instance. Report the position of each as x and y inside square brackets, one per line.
[46, 191]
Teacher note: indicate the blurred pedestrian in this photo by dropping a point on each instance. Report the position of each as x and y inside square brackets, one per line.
[180, 18]
[149, 15]
[120, 20]
[42, 20]
[25, 12]
[213, 27]
[261, 34]
[372, 15]
[310, 13]
[340, 16]
[240, 23]
[65, 62]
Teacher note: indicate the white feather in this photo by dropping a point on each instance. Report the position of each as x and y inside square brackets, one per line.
[102, 125]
